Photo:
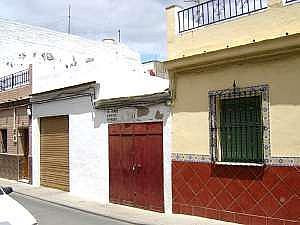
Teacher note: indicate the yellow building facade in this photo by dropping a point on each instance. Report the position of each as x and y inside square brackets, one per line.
[191, 102]
[228, 78]
[275, 19]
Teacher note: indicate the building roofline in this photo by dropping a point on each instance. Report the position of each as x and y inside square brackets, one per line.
[14, 103]
[45, 29]
[149, 61]
[266, 48]
[64, 88]
[79, 90]
[173, 6]
[138, 100]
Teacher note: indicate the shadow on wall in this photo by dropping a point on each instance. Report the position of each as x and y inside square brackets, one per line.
[99, 118]
[281, 75]
[242, 173]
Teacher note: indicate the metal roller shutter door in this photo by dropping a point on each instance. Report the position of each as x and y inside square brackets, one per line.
[55, 152]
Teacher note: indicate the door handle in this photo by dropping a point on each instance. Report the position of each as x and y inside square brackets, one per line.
[136, 166]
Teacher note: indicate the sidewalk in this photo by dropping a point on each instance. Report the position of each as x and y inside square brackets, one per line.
[119, 212]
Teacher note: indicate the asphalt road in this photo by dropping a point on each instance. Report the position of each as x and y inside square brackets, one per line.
[51, 214]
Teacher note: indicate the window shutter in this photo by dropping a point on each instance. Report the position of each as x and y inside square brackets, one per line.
[241, 130]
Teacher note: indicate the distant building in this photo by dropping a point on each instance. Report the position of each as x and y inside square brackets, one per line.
[156, 68]
[15, 125]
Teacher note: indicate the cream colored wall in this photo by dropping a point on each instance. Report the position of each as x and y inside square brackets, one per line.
[190, 111]
[270, 23]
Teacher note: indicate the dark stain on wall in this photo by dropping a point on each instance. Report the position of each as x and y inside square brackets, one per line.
[142, 111]
[159, 115]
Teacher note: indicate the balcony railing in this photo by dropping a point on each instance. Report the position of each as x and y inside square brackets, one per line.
[14, 80]
[214, 11]
[289, 1]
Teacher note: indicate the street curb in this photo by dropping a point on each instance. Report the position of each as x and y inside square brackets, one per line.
[81, 210]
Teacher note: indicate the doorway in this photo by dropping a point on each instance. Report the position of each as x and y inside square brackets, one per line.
[24, 149]
[136, 165]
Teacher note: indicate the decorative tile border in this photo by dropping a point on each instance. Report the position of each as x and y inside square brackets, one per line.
[275, 161]
[236, 92]
[285, 161]
[190, 157]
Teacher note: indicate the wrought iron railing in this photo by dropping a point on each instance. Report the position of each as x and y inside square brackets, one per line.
[14, 80]
[241, 129]
[244, 144]
[214, 11]
[289, 1]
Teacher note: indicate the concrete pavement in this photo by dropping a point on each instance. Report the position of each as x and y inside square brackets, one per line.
[51, 214]
[118, 212]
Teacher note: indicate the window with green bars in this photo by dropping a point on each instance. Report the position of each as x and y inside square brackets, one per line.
[240, 130]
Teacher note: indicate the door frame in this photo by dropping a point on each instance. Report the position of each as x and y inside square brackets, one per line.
[23, 142]
[165, 163]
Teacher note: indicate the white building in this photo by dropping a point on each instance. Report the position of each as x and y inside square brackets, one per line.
[70, 137]
[156, 68]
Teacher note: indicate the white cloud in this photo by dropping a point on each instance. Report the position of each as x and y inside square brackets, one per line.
[142, 23]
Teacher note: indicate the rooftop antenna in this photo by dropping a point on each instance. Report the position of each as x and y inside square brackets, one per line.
[119, 35]
[69, 20]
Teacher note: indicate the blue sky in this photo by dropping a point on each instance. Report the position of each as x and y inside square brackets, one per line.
[142, 23]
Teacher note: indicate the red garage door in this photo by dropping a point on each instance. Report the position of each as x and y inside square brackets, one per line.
[136, 165]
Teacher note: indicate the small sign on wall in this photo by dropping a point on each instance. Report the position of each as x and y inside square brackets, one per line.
[135, 114]
[129, 115]
[112, 115]
[117, 115]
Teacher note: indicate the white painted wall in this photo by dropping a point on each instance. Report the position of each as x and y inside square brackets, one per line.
[35, 150]
[61, 60]
[23, 44]
[159, 69]
[167, 145]
[88, 158]
[88, 147]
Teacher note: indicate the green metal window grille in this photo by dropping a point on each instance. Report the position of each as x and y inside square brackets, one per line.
[241, 130]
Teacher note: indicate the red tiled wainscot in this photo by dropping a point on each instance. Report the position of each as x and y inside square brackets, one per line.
[242, 194]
